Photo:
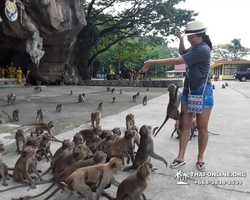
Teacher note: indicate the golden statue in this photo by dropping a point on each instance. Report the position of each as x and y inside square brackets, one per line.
[20, 76]
[111, 70]
[12, 71]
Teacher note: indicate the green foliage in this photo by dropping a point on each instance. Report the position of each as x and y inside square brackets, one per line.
[231, 51]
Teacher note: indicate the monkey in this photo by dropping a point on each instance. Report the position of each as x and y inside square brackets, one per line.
[44, 148]
[120, 91]
[138, 95]
[3, 167]
[95, 119]
[223, 86]
[108, 89]
[114, 99]
[39, 116]
[99, 106]
[71, 92]
[59, 108]
[81, 98]
[146, 149]
[112, 90]
[132, 187]
[77, 180]
[130, 121]
[21, 170]
[93, 144]
[66, 148]
[78, 139]
[37, 89]
[134, 98]
[83, 94]
[1, 111]
[145, 100]
[105, 143]
[213, 87]
[147, 89]
[226, 84]
[79, 152]
[115, 133]
[12, 99]
[123, 145]
[176, 129]
[9, 99]
[173, 105]
[88, 134]
[19, 137]
[137, 136]
[15, 115]
[99, 157]
[40, 130]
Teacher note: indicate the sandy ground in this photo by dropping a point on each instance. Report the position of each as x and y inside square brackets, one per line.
[227, 152]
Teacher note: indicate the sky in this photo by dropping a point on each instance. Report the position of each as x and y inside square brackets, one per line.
[225, 20]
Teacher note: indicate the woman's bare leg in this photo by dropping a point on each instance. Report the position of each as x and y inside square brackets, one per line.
[186, 121]
[202, 125]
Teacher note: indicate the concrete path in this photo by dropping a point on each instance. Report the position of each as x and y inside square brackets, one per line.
[227, 152]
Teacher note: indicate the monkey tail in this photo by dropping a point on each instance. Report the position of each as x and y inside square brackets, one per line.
[46, 171]
[45, 191]
[213, 133]
[55, 191]
[7, 115]
[166, 119]
[107, 195]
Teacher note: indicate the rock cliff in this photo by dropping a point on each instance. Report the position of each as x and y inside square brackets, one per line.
[43, 38]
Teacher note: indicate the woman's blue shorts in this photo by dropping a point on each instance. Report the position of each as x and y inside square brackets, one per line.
[208, 98]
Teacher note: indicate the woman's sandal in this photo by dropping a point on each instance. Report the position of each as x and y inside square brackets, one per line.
[199, 166]
[179, 163]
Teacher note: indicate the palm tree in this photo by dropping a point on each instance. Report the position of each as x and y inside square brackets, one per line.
[185, 177]
[179, 175]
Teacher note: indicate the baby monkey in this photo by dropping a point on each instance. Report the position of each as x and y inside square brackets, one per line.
[59, 108]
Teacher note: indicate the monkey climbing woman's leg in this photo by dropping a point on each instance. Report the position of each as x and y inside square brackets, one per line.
[202, 123]
[186, 122]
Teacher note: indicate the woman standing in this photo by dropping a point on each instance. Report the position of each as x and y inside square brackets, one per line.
[197, 59]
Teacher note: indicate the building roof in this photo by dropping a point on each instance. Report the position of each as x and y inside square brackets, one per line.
[220, 62]
[178, 68]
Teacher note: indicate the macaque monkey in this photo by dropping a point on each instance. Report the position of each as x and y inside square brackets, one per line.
[112, 90]
[134, 98]
[114, 99]
[120, 91]
[130, 121]
[71, 92]
[1, 111]
[19, 137]
[132, 187]
[77, 180]
[115, 133]
[26, 161]
[44, 148]
[99, 106]
[83, 94]
[105, 143]
[37, 89]
[146, 149]
[173, 105]
[137, 94]
[176, 129]
[59, 108]
[12, 99]
[88, 134]
[81, 98]
[223, 86]
[78, 139]
[147, 89]
[95, 119]
[15, 115]
[213, 87]
[123, 144]
[93, 144]
[3, 168]
[226, 84]
[145, 100]
[39, 116]
[108, 89]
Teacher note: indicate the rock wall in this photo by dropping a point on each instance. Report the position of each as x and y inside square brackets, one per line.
[44, 35]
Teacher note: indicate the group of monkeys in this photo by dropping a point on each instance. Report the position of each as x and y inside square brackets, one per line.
[89, 162]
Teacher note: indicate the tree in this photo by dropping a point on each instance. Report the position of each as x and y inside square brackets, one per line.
[229, 52]
[106, 26]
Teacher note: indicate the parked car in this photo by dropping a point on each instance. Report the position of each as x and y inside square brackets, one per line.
[242, 76]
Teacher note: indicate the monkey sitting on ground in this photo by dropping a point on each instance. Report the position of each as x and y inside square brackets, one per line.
[115, 132]
[132, 187]
[146, 149]
[44, 148]
[19, 137]
[145, 100]
[71, 92]
[12, 99]
[93, 144]
[15, 115]
[120, 91]
[78, 139]
[37, 89]
[226, 84]
[3, 168]
[81, 98]
[59, 108]
[88, 134]
[112, 90]
[223, 86]
[108, 89]
[26, 161]
[105, 143]
[77, 181]
[130, 121]
[173, 105]
[39, 116]
[134, 98]
[114, 99]
[99, 106]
